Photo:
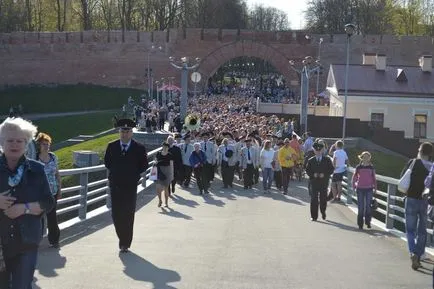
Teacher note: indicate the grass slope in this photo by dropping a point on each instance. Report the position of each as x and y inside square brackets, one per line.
[64, 98]
[385, 164]
[97, 145]
[66, 127]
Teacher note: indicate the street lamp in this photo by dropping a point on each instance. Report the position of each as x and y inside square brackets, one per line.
[163, 92]
[156, 85]
[317, 74]
[152, 49]
[184, 67]
[349, 30]
[309, 65]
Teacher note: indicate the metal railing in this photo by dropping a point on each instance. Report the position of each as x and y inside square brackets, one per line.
[391, 203]
[79, 197]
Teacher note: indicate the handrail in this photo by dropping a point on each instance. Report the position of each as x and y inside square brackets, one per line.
[78, 198]
[391, 205]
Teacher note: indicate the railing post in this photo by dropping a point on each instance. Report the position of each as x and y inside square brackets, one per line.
[391, 193]
[349, 187]
[109, 198]
[84, 180]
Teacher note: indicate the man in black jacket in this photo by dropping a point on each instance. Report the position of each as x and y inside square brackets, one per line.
[125, 160]
[177, 161]
[319, 169]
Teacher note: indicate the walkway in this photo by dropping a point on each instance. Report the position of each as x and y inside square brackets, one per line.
[231, 239]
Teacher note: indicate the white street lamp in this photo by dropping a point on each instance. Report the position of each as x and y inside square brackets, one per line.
[152, 49]
[349, 30]
[317, 74]
[184, 67]
[308, 67]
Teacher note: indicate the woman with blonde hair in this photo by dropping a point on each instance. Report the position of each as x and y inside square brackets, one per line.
[365, 184]
[51, 168]
[25, 196]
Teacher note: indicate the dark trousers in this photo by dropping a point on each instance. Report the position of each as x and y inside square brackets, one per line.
[318, 192]
[123, 210]
[52, 225]
[186, 175]
[177, 178]
[20, 270]
[199, 176]
[248, 175]
[286, 176]
[255, 175]
[208, 175]
[278, 179]
[227, 174]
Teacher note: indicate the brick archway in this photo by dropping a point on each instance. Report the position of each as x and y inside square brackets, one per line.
[219, 56]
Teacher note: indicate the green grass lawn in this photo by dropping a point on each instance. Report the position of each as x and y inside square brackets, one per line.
[98, 145]
[66, 127]
[385, 164]
[64, 98]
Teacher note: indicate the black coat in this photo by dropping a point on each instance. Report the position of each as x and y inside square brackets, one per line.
[325, 167]
[177, 157]
[125, 170]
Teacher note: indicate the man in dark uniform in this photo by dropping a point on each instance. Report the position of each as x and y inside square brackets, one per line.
[319, 169]
[177, 161]
[125, 160]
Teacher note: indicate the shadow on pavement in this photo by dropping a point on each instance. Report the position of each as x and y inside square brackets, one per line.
[172, 213]
[209, 199]
[177, 199]
[90, 226]
[50, 260]
[139, 269]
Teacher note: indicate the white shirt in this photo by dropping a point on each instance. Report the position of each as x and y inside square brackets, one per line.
[340, 157]
[127, 147]
[266, 158]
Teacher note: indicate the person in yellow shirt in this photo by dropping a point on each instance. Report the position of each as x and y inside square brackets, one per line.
[287, 158]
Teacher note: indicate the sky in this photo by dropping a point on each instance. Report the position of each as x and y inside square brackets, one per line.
[294, 9]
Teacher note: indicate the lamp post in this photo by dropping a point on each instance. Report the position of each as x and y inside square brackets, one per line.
[163, 92]
[317, 74]
[156, 85]
[171, 88]
[150, 80]
[349, 30]
[184, 67]
[308, 67]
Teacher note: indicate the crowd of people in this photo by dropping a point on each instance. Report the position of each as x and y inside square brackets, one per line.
[228, 138]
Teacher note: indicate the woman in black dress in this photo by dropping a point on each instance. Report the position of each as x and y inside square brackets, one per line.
[164, 163]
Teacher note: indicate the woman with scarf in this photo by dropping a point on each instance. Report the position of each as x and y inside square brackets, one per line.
[25, 183]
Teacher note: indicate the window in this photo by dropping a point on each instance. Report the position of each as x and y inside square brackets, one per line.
[420, 121]
[377, 119]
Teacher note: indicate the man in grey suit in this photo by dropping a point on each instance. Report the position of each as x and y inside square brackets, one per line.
[249, 162]
[208, 170]
[186, 150]
[227, 158]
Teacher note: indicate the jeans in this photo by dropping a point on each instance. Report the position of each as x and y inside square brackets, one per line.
[364, 198]
[267, 177]
[21, 269]
[415, 225]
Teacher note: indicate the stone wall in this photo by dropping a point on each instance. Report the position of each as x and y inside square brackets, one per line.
[120, 59]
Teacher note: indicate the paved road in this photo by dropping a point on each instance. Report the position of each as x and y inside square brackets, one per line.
[231, 240]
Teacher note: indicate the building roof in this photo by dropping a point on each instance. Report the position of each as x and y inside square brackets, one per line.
[366, 79]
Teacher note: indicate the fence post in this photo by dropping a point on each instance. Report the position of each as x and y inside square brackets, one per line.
[108, 198]
[391, 193]
[84, 180]
[349, 187]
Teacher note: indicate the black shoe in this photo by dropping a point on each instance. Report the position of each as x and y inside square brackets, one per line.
[323, 216]
[200, 192]
[54, 245]
[124, 250]
[285, 193]
[246, 188]
[361, 227]
[230, 185]
[368, 225]
[206, 192]
[313, 219]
